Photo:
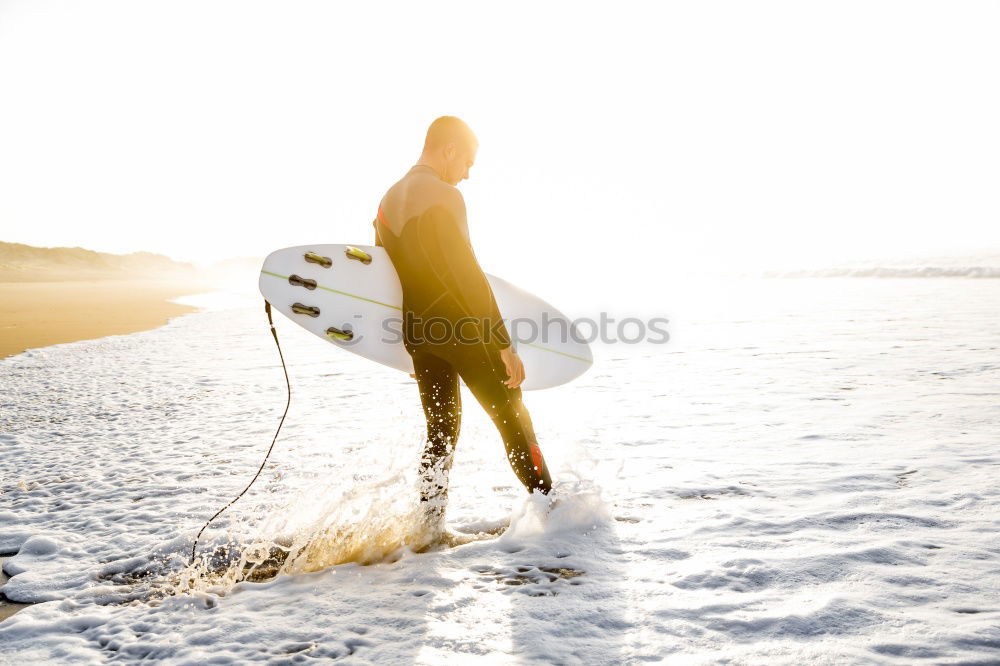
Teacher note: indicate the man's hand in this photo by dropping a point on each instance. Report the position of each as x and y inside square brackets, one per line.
[515, 368]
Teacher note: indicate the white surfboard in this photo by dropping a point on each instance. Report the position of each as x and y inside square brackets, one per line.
[350, 295]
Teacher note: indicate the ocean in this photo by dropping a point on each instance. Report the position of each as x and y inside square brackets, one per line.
[806, 472]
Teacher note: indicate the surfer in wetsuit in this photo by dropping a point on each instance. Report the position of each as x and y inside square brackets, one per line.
[451, 325]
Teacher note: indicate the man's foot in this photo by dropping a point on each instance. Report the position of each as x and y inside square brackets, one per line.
[430, 525]
[433, 533]
[447, 539]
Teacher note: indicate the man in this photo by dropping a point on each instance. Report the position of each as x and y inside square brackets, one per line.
[451, 325]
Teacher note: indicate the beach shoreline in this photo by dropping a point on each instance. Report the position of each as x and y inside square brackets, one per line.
[41, 314]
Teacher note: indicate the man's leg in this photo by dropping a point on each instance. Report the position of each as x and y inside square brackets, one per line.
[442, 402]
[484, 374]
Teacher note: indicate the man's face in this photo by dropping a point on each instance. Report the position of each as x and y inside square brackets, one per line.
[459, 160]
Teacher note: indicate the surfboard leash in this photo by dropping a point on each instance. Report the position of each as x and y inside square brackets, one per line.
[284, 368]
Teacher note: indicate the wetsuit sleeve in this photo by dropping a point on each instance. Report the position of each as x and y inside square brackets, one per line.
[445, 248]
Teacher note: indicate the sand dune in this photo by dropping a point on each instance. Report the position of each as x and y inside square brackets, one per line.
[25, 263]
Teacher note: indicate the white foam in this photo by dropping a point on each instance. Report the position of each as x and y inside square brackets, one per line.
[804, 466]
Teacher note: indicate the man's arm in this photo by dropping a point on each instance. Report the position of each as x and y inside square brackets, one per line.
[444, 245]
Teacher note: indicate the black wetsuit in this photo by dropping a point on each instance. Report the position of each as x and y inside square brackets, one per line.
[452, 327]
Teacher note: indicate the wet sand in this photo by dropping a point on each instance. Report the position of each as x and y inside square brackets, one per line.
[7, 608]
[39, 314]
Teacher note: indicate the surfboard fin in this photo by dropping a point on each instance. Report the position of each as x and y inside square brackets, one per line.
[297, 281]
[314, 258]
[358, 255]
[298, 308]
[337, 334]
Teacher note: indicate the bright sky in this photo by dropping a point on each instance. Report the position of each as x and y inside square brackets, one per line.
[660, 136]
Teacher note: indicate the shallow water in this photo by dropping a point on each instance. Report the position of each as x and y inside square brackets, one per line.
[806, 473]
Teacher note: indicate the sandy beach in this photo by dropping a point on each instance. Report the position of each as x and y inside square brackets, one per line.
[39, 314]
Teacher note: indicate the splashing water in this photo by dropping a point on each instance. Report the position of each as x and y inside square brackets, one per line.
[322, 524]
[377, 521]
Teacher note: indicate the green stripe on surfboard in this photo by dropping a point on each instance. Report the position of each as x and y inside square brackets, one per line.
[335, 291]
[555, 351]
[394, 307]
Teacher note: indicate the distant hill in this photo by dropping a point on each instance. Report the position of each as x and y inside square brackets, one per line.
[25, 263]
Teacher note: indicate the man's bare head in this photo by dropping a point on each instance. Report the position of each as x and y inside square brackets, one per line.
[450, 149]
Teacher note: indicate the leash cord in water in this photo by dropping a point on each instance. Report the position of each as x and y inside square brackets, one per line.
[270, 321]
